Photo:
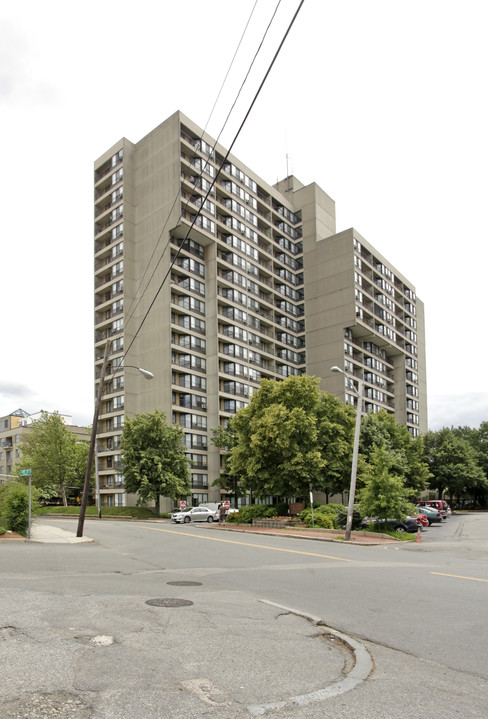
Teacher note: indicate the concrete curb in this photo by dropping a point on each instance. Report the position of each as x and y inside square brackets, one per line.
[363, 667]
[293, 535]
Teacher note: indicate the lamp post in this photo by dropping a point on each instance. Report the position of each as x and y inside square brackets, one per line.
[86, 486]
[355, 449]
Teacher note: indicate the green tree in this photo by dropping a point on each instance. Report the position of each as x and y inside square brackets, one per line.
[453, 464]
[225, 438]
[57, 459]
[478, 439]
[155, 464]
[335, 437]
[406, 454]
[289, 437]
[384, 494]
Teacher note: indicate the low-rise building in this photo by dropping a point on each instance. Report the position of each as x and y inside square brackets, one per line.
[13, 428]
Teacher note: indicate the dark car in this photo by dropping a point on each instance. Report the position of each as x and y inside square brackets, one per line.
[409, 524]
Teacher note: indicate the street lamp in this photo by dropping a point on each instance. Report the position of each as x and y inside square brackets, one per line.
[355, 450]
[86, 486]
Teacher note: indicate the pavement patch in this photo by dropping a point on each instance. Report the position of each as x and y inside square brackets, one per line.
[361, 669]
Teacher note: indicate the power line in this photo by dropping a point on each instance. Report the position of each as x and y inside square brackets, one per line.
[218, 173]
[133, 306]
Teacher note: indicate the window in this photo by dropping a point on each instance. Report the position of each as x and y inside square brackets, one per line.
[193, 323]
[191, 265]
[189, 361]
[195, 441]
[189, 283]
[119, 402]
[117, 176]
[204, 222]
[190, 381]
[117, 326]
[199, 481]
[197, 460]
[117, 158]
[193, 421]
[233, 405]
[197, 498]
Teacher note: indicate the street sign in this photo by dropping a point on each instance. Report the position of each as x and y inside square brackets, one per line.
[227, 505]
[25, 472]
[182, 505]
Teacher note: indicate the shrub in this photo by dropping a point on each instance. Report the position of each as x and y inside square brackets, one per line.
[253, 511]
[324, 515]
[279, 510]
[245, 515]
[2, 530]
[341, 517]
[320, 519]
[15, 508]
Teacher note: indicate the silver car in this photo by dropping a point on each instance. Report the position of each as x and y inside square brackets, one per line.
[195, 514]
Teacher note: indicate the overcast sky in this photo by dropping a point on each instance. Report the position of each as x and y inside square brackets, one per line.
[382, 104]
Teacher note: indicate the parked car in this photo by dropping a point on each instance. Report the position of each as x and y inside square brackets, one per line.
[409, 524]
[195, 514]
[436, 504]
[214, 506]
[423, 518]
[432, 514]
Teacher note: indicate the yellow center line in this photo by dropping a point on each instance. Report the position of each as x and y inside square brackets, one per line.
[246, 544]
[460, 576]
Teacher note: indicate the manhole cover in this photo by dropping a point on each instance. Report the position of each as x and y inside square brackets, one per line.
[169, 602]
[182, 583]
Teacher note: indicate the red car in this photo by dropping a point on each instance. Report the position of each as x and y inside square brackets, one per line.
[423, 518]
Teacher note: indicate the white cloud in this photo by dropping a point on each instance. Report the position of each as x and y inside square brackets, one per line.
[384, 112]
[468, 410]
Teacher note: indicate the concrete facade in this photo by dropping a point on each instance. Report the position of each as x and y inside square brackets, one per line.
[213, 287]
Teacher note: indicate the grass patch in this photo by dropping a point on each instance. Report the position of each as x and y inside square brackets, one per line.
[402, 536]
[133, 512]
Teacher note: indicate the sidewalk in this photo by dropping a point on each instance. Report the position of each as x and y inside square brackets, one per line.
[55, 535]
[46, 534]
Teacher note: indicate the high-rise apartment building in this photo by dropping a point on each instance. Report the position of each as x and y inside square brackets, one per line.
[214, 280]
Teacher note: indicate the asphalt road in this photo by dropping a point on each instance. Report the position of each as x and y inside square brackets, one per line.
[420, 610]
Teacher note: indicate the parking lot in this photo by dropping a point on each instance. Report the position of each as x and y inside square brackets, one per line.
[448, 529]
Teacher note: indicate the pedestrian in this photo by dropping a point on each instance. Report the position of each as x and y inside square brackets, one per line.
[222, 513]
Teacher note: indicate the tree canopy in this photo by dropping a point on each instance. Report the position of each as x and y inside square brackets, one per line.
[291, 436]
[57, 459]
[406, 454]
[478, 439]
[453, 463]
[155, 463]
[384, 494]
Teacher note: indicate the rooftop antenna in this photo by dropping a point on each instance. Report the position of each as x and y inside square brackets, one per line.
[288, 177]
